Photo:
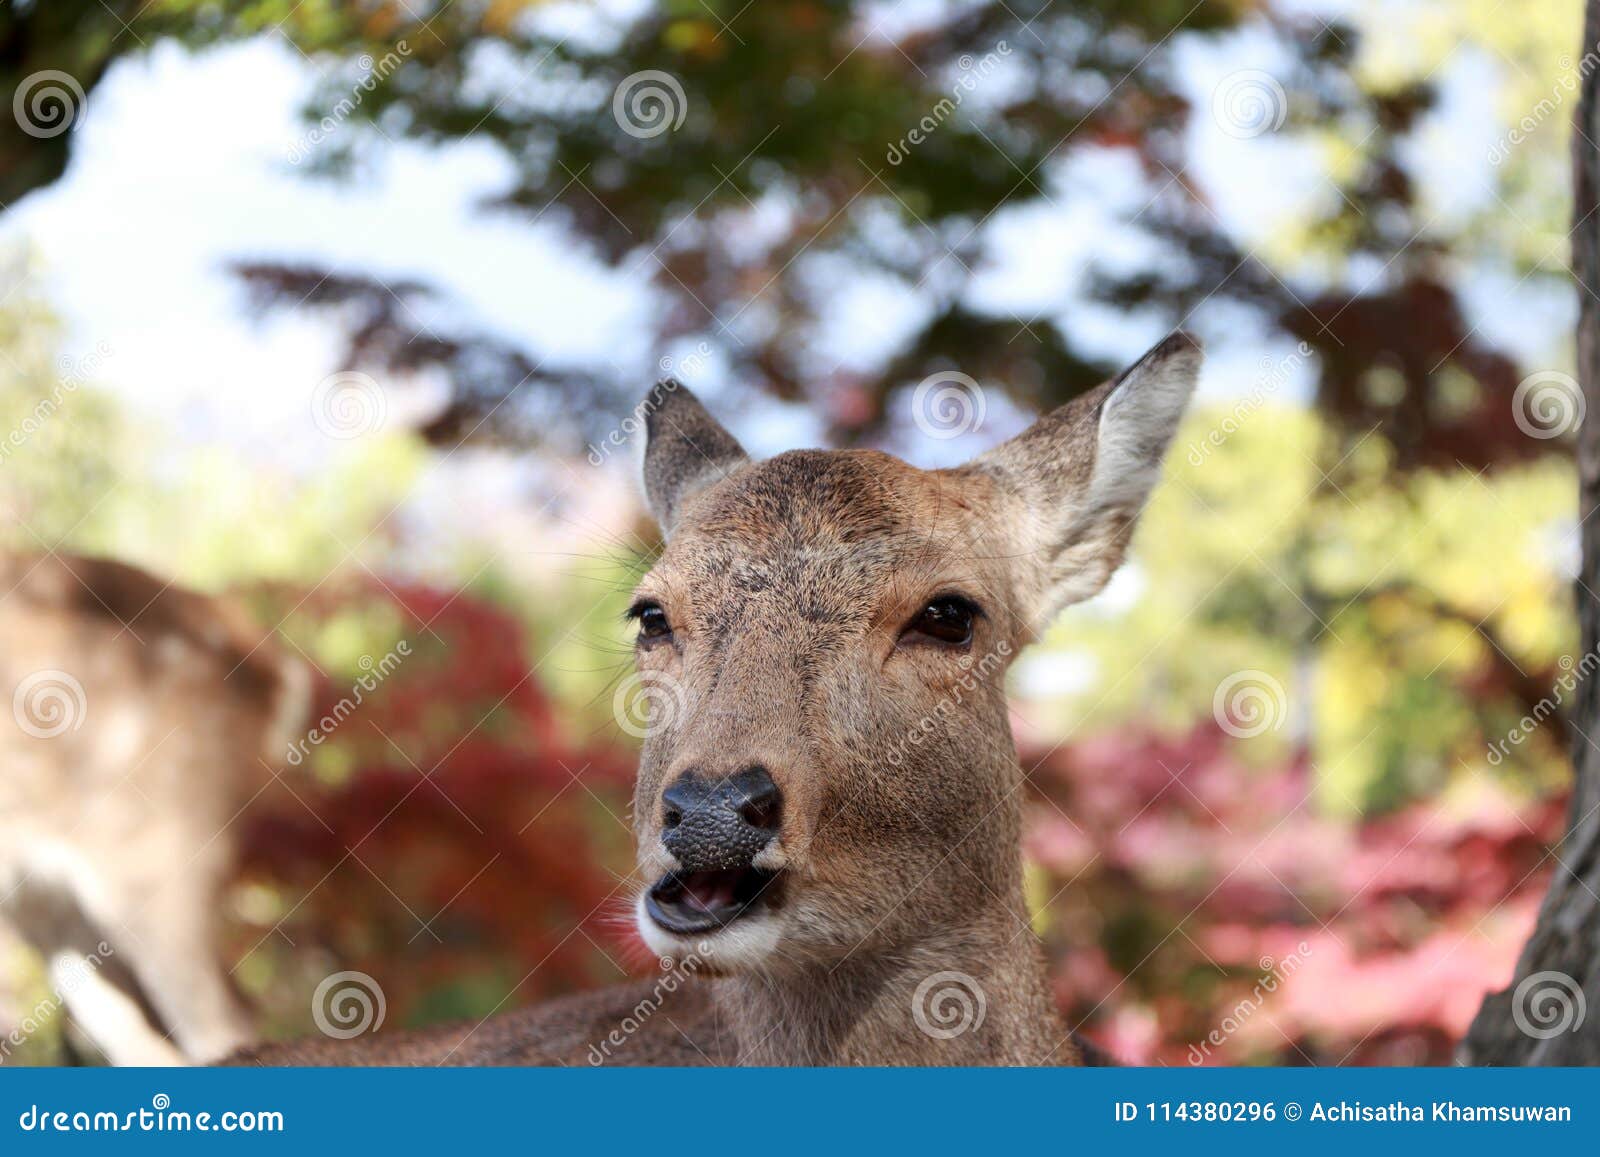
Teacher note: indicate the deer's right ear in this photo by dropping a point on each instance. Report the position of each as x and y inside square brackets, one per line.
[685, 450]
[1081, 474]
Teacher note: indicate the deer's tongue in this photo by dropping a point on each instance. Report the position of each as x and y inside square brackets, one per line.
[710, 891]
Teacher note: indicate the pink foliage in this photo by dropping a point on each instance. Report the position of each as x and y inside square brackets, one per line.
[1208, 911]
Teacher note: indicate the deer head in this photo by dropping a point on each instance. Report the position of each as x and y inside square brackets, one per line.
[829, 769]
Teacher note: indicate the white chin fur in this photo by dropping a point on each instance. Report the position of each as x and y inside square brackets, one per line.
[738, 947]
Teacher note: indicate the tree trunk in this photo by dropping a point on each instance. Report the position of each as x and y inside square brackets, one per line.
[1551, 1013]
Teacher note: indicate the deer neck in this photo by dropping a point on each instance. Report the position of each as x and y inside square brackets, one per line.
[974, 994]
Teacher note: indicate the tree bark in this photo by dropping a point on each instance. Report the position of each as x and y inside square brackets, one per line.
[1550, 1015]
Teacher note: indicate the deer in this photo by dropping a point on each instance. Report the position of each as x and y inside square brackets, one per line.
[828, 811]
[141, 714]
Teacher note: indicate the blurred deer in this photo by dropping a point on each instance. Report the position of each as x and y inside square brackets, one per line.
[142, 716]
[828, 813]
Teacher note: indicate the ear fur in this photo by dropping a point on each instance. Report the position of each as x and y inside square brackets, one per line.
[1080, 475]
[686, 450]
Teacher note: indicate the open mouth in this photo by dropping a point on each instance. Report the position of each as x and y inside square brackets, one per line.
[691, 902]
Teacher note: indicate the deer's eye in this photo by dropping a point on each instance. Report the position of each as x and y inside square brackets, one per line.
[946, 621]
[652, 620]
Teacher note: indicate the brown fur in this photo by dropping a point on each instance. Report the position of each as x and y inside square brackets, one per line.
[115, 831]
[788, 584]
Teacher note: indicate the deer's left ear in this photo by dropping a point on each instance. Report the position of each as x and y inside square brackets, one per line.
[686, 450]
[1078, 478]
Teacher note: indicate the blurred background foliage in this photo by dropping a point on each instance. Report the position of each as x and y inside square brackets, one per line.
[1387, 547]
[777, 187]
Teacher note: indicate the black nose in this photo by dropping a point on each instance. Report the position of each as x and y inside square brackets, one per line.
[713, 825]
[714, 829]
